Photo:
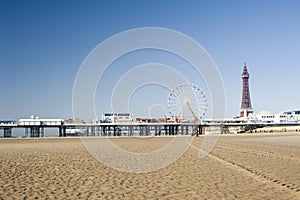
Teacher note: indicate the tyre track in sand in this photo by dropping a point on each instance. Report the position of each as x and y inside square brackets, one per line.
[259, 152]
[257, 175]
[242, 158]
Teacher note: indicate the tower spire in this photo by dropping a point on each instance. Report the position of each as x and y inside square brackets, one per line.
[246, 107]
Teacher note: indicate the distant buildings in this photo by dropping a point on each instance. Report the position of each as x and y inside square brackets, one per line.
[282, 117]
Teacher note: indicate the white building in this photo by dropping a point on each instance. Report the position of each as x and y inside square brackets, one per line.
[293, 115]
[282, 117]
[116, 118]
[36, 121]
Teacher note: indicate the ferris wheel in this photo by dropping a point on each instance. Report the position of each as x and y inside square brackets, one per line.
[187, 103]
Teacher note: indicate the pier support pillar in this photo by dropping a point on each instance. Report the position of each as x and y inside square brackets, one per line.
[171, 130]
[7, 132]
[200, 129]
[26, 132]
[60, 131]
[130, 131]
[64, 131]
[87, 131]
[35, 131]
[103, 131]
[175, 130]
[93, 130]
[42, 132]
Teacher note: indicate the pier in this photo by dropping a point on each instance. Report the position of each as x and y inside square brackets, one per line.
[105, 129]
[125, 129]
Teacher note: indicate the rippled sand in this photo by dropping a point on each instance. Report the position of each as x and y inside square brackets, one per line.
[239, 167]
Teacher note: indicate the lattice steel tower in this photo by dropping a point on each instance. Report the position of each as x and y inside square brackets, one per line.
[246, 107]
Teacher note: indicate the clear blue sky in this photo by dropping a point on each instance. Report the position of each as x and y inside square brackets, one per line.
[43, 43]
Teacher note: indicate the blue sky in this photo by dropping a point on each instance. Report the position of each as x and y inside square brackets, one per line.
[43, 44]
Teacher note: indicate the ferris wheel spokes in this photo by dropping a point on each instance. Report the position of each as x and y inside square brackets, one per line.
[187, 102]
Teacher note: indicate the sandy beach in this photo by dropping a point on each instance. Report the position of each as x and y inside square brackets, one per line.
[265, 166]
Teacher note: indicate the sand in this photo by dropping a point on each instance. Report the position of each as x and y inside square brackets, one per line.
[239, 167]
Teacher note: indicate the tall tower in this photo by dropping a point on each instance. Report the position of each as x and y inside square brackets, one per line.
[246, 107]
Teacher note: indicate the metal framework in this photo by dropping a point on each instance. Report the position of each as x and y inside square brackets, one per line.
[246, 107]
[187, 103]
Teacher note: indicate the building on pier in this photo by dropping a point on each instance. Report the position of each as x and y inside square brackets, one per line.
[34, 126]
[116, 118]
[36, 121]
[7, 121]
